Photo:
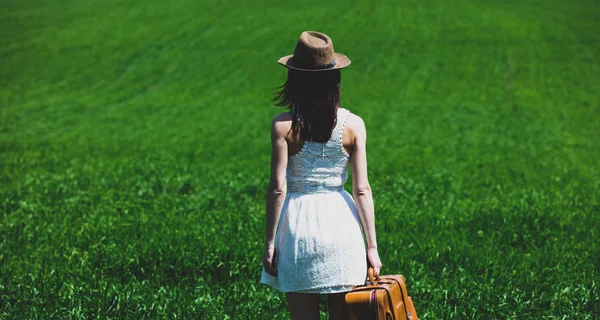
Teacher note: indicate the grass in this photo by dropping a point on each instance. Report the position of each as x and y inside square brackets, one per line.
[135, 153]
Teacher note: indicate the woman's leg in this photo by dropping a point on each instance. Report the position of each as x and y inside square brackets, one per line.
[303, 306]
[336, 304]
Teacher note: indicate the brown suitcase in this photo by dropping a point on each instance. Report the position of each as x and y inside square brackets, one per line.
[384, 297]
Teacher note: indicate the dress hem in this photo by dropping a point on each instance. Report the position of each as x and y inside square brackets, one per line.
[317, 290]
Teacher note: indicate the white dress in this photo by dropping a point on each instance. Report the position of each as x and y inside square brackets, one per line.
[319, 242]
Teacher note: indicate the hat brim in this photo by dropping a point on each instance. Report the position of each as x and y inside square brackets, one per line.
[341, 61]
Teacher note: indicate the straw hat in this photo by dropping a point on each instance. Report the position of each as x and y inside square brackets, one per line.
[314, 52]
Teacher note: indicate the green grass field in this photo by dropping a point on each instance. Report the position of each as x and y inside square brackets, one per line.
[134, 153]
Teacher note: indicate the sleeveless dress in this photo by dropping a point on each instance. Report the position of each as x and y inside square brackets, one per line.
[319, 242]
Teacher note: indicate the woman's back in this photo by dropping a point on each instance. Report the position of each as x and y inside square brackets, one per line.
[320, 167]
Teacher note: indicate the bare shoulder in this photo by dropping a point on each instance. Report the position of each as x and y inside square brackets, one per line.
[356, 124]
[281, 124]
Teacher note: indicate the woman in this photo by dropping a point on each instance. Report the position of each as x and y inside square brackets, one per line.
[314, 243]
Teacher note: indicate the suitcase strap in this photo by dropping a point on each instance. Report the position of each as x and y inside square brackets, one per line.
[404, 294]
[374, 279]
[388, 292]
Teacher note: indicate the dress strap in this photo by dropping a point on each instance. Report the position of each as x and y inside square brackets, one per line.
[337, 133]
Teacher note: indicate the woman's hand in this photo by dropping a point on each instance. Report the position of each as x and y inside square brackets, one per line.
[374, 260]
[269, 260]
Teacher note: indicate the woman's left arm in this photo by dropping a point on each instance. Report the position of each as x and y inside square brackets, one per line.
[276, 191]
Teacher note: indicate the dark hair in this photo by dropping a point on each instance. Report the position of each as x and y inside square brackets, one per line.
[313, 99]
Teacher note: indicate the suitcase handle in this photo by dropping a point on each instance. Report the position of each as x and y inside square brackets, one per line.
[371, 275]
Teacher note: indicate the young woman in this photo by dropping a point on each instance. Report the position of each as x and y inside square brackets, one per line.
[314, 241]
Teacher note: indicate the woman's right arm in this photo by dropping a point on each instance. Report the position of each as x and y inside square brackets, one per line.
[277, 189]
[361, 191]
